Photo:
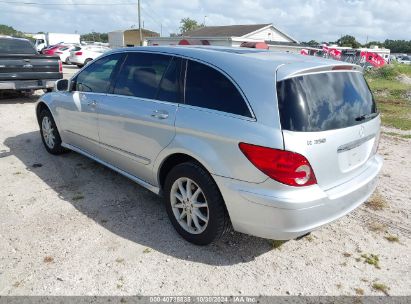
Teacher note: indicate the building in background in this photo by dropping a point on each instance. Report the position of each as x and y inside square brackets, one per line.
[234, 36]
[129, 37]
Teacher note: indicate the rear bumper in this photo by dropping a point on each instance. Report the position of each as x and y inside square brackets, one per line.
[27, 84]
[274, 211]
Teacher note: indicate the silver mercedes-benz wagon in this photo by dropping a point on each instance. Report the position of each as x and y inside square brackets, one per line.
[271, 144]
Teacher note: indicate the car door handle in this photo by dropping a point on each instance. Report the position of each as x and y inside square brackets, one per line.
[92, 103]
[160, 114]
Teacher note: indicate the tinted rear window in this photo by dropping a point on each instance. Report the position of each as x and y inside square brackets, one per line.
[326, 101]
[208, 88]
[15, 46]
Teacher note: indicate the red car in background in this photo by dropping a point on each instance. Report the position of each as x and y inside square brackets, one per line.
[52, 49]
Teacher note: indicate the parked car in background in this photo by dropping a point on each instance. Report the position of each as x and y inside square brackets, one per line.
[64, 53]
[83, 55]
[404, 60]
[277, 152]
[52, 49]
[22, 68]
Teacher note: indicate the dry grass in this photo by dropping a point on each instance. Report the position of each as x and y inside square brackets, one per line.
[377, 227]
[381, 287]
[48, 259]
[392, 238]
[359, 291]
[376, 202]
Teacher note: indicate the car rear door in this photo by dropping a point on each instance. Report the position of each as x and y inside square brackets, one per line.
[330, 117]
[78, 108]
[137, 120]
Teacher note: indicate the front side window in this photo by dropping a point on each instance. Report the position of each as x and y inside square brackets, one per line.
[170, 86]
[208, 88]
[97, 76]
[141, 74]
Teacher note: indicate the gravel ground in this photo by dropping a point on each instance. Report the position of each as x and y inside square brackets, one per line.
[69, 226]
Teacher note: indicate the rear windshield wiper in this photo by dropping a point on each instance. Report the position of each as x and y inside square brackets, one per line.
[366, 117]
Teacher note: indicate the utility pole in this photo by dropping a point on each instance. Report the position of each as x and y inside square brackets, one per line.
[139, 24]
[161, 30]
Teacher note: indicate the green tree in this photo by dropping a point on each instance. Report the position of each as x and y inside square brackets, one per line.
[10, 31]
[188, 24]
[349, 41]
[398, 46]
[95, 36]
[311, 43]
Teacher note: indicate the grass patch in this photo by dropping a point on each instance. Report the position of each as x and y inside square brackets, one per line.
[406, 136]
[277, 243]
[376, 202]
[392, 238]
[381, 287]
[78, 197]
[391, 95]
[371, 259]
[147, 250]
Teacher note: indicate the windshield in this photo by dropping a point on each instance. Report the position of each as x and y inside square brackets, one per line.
[16, 46]
[324, 101]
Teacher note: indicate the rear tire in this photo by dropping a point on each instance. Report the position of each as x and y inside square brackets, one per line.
[49, 133]
[199, 215]
[87, 61]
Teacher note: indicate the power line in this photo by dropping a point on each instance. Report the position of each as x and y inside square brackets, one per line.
[66, 4]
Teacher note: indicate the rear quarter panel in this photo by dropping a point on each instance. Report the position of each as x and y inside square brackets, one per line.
[212, 138]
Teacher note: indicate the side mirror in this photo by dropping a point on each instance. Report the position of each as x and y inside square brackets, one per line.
[61, 85]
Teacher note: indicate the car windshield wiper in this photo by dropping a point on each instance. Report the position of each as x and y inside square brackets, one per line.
[366, 117]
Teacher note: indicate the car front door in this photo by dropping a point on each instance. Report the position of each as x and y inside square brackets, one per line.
[136, 121]
[78, 108]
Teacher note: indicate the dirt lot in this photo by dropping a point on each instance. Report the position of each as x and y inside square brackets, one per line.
[69, 226]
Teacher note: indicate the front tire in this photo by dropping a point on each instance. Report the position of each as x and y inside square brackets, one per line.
[49, 133]
[194, 204]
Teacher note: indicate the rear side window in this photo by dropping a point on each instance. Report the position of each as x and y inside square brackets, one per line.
[96, 77]
[324, 101]
[208, 88]
[141, 74]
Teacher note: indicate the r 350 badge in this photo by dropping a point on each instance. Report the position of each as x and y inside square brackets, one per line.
[316, 141]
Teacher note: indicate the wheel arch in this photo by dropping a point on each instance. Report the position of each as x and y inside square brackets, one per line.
[41, 105]
[170, 162]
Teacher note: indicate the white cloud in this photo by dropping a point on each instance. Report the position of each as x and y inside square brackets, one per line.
[322, 20]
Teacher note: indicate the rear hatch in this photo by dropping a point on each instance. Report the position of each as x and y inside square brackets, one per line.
[329, 116]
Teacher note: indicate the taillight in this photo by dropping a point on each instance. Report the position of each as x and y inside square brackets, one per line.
[78, 53]
[287, 167]
[60, 67]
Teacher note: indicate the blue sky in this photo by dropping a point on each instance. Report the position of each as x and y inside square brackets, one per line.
[320, 20]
